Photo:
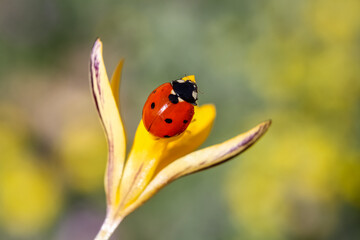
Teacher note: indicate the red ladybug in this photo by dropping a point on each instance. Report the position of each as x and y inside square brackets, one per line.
[169, 109]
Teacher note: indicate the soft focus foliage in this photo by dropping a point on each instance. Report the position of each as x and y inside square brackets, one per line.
[30, 195]
[293, 61]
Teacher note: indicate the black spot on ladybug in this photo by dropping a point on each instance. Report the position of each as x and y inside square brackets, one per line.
[168, 120]
[152, 105]
[154, 91]
[173, 98]
[166, 136]
[185, 121]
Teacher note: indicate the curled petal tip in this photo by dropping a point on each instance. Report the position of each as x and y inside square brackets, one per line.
[200, 160]
[97, 44]
[97, 40]
[269, 122]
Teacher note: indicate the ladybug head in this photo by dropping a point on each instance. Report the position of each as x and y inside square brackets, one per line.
[186, 90]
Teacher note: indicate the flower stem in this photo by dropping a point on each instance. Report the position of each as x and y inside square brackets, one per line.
[107, 228]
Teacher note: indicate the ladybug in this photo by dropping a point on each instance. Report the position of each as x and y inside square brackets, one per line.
[169, 109]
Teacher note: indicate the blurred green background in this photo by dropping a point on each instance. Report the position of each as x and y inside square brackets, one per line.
[296, 62]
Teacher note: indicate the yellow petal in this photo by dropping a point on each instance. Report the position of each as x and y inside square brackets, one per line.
[148, 152]
[110, 118]
[197, 132]
[200, 160]
[190, 77]
[115, 81]
[141, 164]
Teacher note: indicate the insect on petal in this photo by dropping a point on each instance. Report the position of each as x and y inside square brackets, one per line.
[150, 153]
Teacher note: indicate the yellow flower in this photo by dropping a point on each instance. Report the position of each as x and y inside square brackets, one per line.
[152, 162]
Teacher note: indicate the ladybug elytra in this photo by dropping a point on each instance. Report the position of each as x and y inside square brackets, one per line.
[169, 109]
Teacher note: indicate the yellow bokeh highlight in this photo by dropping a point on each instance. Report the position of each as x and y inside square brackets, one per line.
[31, 197]
[348, 179]
[82, 150]
[287, 185]
[308, 75]
[334, 21]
